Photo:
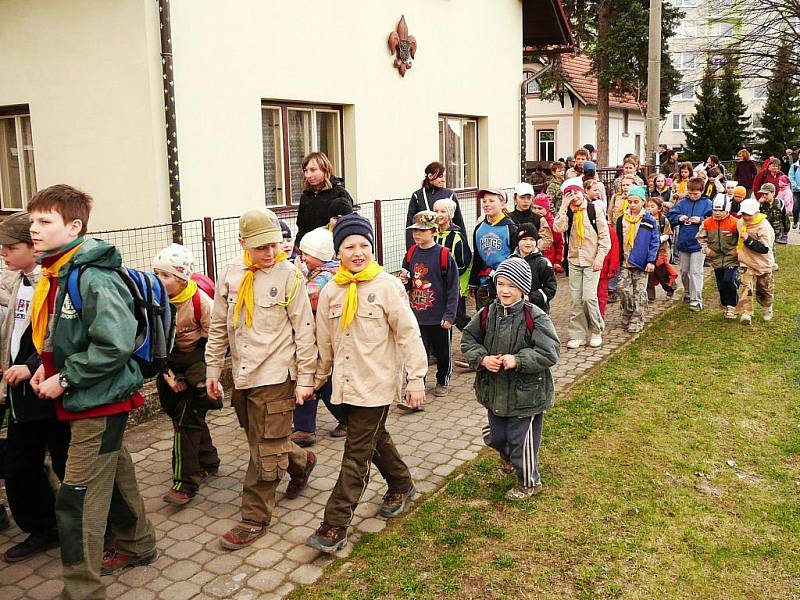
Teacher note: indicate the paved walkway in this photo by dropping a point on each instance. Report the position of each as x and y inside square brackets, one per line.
[191, 563]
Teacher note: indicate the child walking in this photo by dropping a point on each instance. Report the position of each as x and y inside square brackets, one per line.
[182, 388]
[451, 237]
[719, 238]
[664, 274]
[551, 243]
[493, 240]
[512, 347]
[756, 238]
[543, 278]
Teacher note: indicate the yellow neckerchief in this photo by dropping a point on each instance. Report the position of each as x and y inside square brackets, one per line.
[186, 293]
[622, 207]
[345, 277]
[630, 236]
[497, 220]
[245, 297]
[578, 222]
[40, 311]
[680, 185]
[756, 220]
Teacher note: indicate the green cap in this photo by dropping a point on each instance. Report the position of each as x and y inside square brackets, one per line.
[15, 229]
[259, 227]
[424, 219]
[638, 190]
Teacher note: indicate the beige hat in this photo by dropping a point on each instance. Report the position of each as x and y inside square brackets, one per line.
[175, 259]
[424, 219]
[259, 227]
[318, 243]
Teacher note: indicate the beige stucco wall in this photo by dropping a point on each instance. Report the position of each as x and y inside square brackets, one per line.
[230, 56]
[90, 72]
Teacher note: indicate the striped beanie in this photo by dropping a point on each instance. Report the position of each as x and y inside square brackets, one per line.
[352, 224]
[517, 271]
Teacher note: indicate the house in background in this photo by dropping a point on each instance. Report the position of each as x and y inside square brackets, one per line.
[556, 128]
[251, 88]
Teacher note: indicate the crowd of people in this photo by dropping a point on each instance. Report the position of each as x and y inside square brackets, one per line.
[315, 317]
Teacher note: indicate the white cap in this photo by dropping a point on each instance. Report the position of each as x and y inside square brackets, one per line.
[721, 203]
[318, 243]
[575, 181]
[523, 188]
[749, 207]
[731, 183]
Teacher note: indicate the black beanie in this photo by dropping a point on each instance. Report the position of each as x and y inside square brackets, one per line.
[527, 230]
[352, 224]
[339, 207]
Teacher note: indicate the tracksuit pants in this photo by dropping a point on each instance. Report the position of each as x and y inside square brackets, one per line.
[728, 285]
[517, 439]
[437, 341]
[692, 275]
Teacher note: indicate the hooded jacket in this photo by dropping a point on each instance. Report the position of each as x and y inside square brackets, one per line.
[756, 254]
[687, 234]
[543, 279]
[313, 209]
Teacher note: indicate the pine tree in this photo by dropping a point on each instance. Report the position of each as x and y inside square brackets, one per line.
[733, 124]
[780, 120]
[702, 128]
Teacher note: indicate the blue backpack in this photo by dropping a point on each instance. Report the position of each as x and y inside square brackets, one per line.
[155, 316]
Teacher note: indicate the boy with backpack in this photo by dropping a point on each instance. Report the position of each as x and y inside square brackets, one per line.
[587, 242]
[512, 346]
[719, 237]
[182, 386]
[756, 240]
[263, 315]
[543, 277]
[88, 372]
[431, 278]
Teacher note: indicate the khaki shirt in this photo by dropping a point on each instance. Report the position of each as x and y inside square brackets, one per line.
[595, 244]
[754, 261]
[188, 331]
[545, 235]
[279, 345]
[368, 357]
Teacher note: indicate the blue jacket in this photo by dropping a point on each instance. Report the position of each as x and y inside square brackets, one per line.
[687, 234]
[646, 244]
[794, 176]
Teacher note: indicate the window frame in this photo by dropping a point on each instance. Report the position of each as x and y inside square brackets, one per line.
[759, 86]
[753, 121]
[539, 143]
[681, 121]
[684, 3]
[442, 127]
[681, 95]
[682, 65]
[18, 112]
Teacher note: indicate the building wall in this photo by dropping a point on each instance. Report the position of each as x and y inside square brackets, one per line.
[90, 72]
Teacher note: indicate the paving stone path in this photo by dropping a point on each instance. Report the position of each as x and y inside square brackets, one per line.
[191, 563]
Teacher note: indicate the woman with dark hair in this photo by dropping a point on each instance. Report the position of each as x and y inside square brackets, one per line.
[433, 189]
[746, 171]
[769, 174]
[320, 188]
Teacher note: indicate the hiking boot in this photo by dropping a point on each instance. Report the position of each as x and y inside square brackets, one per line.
[573, 344]
[394, 501]
[177, 497]
[768, 314]
[730, 312]
[328, 538]
[298, 484]
[340, 431]
[746, 319]
[5, 523]
[242, 535]
[32, 545]
[521, 492]
[596, 340]
[304, 439]
[506, 466]
[114, 561]
[440, 391]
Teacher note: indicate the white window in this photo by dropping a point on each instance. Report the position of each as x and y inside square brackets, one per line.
[17, 168]
[685, 60]
[678, 122]
[686, 92]
[532, 87]
[546, 139]
[756, 120]
[289, 133]
[721, 29]
[458, 150]
[684, 3]
[686, 30]
[760, 90]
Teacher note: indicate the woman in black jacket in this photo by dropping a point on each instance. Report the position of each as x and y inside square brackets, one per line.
[746, 171]
[433, 189]
[320, 188]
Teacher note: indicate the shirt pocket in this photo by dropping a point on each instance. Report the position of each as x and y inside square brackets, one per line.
[267, 315]
[372, 323]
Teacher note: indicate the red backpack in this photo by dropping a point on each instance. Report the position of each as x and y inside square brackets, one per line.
[206, 284]
[444, 260]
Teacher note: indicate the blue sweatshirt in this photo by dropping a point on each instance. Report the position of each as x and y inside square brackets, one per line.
[687, 234]
[492, 245]
[432, 299]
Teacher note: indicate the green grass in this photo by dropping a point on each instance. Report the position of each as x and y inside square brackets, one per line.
[640, 498]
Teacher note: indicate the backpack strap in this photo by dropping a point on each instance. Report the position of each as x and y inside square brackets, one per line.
[198, 309]
[484, 318]
[444, 263]
[529, 324]
[74, 288]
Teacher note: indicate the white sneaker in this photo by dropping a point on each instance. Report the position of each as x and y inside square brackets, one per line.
[596, 340]
[573, 344]
[746, 319]
[730, 312]
[768, 314]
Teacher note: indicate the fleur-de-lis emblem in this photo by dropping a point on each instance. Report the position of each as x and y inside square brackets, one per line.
[403, 46]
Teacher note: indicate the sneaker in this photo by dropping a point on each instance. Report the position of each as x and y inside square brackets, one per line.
[440, 390]
[328, 538]
[304, 439]
[394, 501]
[730, 312]
[405, 407]
[114, 561]
[558, 268]
[32, 545]
[636, 328]
[210, 472]
[746, 319]
[686, 298]
[461, 364]
[670, 295]
[784, 239]
[177, 497]
[298, 484]
[596, 340]
[573, 344]
[5, 523]
[242, 535]
[506, 466]
[695, 306]
[768, 314]
[521, 492]
[339, 431]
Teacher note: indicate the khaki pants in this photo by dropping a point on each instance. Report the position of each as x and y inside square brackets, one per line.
[585, 315]
[367, 442]
[265, 413]
[99, 486]
[632, 290]
[762, 285]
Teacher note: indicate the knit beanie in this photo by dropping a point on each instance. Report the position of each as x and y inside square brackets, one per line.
[175, 259]
[740, 192]
[542, 200]
[449, 205]
[639, 191]
[339, 207]
[527, 230]
[318, 243]
[352, 224]
[517, 271]
[286, 231]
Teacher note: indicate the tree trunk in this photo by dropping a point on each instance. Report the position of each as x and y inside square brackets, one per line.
[603, 85]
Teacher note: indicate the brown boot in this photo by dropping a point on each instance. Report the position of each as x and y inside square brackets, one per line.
[340, 431]
[304, 439]
[328, 538]
[242, 535]
[298, 484]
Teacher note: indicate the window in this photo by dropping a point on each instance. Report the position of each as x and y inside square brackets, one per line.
[721, 29]
[532, 87]
[760, 91]
[756, 120]
[686, 30]
[458, 150]
[546, 139]
[686, 92]
[684, 3]
[678, 122]
[17, 169]
[626, 115]
[289, 133]
[685, 60]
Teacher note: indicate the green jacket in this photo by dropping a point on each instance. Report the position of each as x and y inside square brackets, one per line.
[93, 349]
[528, 389]
[722, 237]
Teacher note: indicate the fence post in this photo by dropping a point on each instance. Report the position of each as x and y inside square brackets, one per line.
[477, 208]
[378, 231]
[208, 246]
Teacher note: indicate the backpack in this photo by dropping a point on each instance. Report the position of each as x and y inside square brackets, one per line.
[526, 308]
[444, 259]
[155, 316]
[206, 284]
[590, 212]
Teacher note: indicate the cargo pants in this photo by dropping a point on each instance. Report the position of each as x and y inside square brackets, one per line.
[763, 286]
[632, 290]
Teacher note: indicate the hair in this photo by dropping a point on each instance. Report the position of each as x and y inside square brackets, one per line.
[71, 203]
[436, 169]
[695, 184]
[713, 158]
[629, 161]
[581, 152]
[555, 166]
[658, 201]
[685, 165]
[774, 161]
[588, 183]
[745, 155]
[324, 164]
[714, 171]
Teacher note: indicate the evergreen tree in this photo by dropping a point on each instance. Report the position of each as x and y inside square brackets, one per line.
[733, 124]
[702, 128]
[781, 121]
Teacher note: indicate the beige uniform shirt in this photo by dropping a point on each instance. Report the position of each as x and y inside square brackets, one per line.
[595, 244]
[279, 345]
[188, 331]
[754, 261]
[368, 357]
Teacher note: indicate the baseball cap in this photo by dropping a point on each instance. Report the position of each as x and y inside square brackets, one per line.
[749, 207]
[767, 187]
[589, 147]
[523, 188]
[424, 219]
[491, 190]
[259, 227]
[740, 192]
[16, 228]
[721, 203]
[589, 165]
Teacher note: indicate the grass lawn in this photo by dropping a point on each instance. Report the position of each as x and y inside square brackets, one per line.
[672, 471]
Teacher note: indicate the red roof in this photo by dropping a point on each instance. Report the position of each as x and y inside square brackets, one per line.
[576, 69]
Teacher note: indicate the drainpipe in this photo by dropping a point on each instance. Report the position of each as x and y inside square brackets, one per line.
[171, 122]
